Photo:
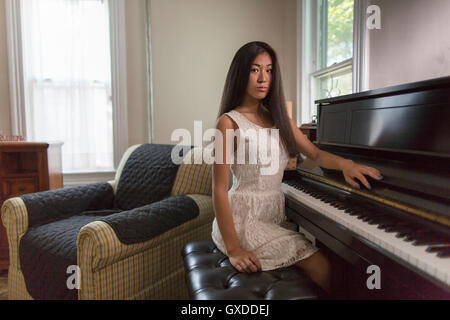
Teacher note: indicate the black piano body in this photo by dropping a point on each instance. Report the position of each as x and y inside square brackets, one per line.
[404, 131]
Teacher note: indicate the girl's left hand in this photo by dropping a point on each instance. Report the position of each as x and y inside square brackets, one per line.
[354, 170]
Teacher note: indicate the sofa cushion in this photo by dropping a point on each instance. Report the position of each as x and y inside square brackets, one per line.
[144, 223]
[47, 206]
[194, 176]
[147, 176]
[46, 251]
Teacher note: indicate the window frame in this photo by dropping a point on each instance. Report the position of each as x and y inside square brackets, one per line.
[327, 71]
[118, 78]
[308, 53]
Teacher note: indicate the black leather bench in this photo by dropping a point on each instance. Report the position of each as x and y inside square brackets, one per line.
[210, 276]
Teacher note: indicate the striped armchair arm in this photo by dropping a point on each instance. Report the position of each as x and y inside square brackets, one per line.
[113, 270]
[15, 220]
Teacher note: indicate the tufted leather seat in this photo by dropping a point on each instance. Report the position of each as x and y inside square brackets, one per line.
[210, 276]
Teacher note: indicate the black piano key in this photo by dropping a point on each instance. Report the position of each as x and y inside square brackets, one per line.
[334, 204]
[353, 212]
[368, 216]
[437, 248]
[429, 241]
[417, 234]
[373, 221]
[390, 229]
[397, 230]
[364, 216]
[401, 234]
[444, 253]
[387, 222]
[403, 227]
[357, 211]
[340, 206]
[377, 219]
[399, 226]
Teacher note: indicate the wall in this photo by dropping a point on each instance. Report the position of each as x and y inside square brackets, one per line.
[413, 43]
[5, 123]
[136, 33]
[193, 43]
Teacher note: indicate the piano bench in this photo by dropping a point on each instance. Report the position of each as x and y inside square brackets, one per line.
[210, 276]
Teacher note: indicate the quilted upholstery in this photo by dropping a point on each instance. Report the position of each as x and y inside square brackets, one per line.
[46, 252]
[48, 206]
[144, 223]
[211, 276]
[147, 176]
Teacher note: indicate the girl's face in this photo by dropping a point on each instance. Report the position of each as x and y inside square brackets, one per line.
[260, 77]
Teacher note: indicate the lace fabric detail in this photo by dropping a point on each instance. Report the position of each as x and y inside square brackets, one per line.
[258, 204]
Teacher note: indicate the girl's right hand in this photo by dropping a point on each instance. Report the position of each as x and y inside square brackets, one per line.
[244, 261]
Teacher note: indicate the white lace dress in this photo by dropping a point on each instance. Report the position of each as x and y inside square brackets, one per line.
[257, 202]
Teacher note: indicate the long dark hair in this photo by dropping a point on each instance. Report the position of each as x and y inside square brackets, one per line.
[236, 85]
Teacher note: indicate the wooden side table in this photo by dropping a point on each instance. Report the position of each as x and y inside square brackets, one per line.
[310, 130]
[26, 167]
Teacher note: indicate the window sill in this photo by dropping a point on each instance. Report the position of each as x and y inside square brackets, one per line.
[81, 178]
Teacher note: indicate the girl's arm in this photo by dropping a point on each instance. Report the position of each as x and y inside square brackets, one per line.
[240, 259]
[327, 160]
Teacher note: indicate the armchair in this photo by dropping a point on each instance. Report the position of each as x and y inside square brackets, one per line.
[125, 235]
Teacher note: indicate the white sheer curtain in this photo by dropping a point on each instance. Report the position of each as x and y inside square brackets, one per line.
[67, 71]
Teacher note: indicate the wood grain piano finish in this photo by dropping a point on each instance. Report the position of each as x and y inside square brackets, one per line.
[26, 167]
[401, 225]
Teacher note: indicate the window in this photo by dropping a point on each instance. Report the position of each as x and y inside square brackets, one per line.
[68, 78]
[336, 31]
[335, 51]
[329, 51]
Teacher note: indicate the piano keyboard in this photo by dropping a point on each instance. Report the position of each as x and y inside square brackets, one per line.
[414, 246]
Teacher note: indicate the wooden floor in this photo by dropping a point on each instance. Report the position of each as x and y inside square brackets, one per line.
[3, 288]
[4, 285]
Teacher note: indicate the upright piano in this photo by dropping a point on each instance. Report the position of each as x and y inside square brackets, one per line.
[399, 231]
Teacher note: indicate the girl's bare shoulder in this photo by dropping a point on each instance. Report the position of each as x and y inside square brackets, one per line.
[226, 122]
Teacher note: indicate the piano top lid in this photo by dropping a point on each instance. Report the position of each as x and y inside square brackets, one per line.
[391, 90]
